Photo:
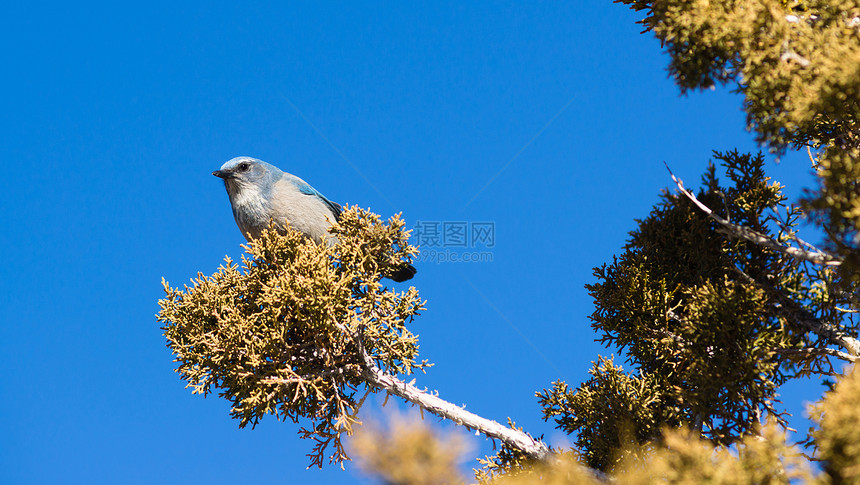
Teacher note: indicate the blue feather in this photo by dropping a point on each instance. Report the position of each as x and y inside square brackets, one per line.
[306, 189]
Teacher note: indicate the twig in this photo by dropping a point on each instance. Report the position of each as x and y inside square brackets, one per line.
[846, 310]
[811, 158]
[791, 233]
[794, 56]
[811, 352]
[791, 310]
[753, 236]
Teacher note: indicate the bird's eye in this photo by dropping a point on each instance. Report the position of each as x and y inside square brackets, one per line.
[244, 166]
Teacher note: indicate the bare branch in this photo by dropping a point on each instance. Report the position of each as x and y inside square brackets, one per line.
[791, 310]
[812, 158]
[794, 56]
[515, 439]
[790, 233]
[432, 403]
[793, 19]
[846, 310]
[814, 352]
[755, 237]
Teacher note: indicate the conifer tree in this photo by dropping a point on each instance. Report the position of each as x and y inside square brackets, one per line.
[715, 301]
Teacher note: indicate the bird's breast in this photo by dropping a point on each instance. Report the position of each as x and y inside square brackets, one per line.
[250, 209]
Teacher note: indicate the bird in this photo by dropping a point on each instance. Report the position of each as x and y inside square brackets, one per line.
[260, 192]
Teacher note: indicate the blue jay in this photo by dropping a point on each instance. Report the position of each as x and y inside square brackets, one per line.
[260, 192]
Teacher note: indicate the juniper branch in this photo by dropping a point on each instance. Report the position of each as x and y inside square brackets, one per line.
[516, 439]
[791, 310]
[813, 352]
[755, 237]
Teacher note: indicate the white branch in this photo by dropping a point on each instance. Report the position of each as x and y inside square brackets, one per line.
[791, 310]
[793, 19]
[753, 236]
[794, 56]
[516, 439]
[846, 310]
[808, 352]
[513, 438]
[830, 333]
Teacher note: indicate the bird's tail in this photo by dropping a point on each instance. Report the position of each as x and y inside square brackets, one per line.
[403, 273]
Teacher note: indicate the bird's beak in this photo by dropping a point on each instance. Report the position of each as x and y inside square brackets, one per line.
[222, 174]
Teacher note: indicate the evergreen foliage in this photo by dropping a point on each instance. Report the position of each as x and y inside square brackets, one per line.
[696, 314]
[683, 457]
[409, 452]
[280, 334]
[797, 63]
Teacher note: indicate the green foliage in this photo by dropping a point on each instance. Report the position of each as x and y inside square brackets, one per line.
[564, 469]
[628, 417]
[762, 457]
[798, 69]
[281, 333]
[679, 457]
[710, 323]
[685, 458]
[838, 436]
[797, 63]
[409, 452]
[836, 207]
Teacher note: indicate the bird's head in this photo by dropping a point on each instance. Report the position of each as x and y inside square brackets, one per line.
[243, 173]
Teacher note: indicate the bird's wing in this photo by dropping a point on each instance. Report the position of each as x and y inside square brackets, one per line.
[306, 189]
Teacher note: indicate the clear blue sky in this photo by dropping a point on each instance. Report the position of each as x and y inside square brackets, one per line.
[550, 121]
